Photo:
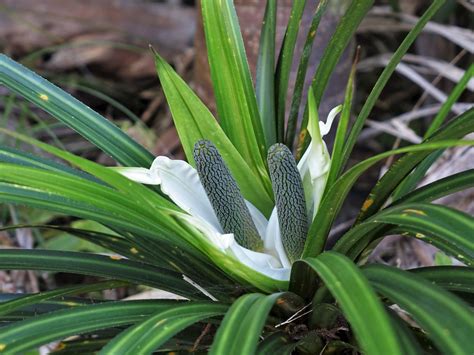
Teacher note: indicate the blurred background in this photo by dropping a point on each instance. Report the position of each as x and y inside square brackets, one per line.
[99, 52]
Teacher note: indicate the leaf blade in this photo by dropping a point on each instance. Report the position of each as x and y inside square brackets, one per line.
[265, 87]
[73, 113]
[420, 298]
[33, 299]
[441, 226]
[359, 303]
[147, 336]
[97, 265]
[233, 89]
[461, 126]
[385, 76]
[285, 61]
[301, 73]
[194, 122]
[53, 326]
[242, 324]
[335, 195]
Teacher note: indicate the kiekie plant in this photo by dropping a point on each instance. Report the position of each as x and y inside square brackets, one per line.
[241, 229]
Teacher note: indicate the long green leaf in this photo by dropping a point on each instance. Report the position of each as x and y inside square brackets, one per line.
[15, 156]
[456, 279]
[454, 95]
[451, 278]
[265, 78]
[343, 34]
[145, 337]
[33, 197]
[136, 192]
[385, 76]
[112, 267]
[444, 227]
[301, 73]
[458, 128]
[27, 334]
[407, 339]
[440, 188]
[43, 307]
[89, 195]
[149, 251]
[233, 89]
[242, 324]
[359, 303]
[195, 122]
[81, 198]
[276, 344]
[73, 113]
[337, 158]
[334, 198]
[414, 178]
[285, 61]
[152, 238]
[111, 204]
[180, 239]
[448, 320]
[17, 194]
[33, 299]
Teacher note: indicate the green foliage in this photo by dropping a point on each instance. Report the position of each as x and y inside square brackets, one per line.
[332, 302]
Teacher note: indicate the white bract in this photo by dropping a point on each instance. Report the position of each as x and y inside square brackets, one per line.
[180, 181]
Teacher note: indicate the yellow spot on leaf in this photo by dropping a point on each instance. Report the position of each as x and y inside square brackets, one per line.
[115, 257]
[312, 34]
[367, 204]
[71, 304]
[160, 322]
[301, 138]
[2, 347]
[44, 97]
[419, 235]
[418, 212]
[60, 346]
[134, 250]
[175, 266]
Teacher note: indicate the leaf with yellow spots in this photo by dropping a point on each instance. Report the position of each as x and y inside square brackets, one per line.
[37, 298]
[412, 211]
[446, 228]
[64, 107]
[367, 204]
[411, 292]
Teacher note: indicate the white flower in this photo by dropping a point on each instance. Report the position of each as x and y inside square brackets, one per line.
[180, 181]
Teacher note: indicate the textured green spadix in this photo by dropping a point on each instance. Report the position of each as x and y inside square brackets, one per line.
[225, 197]
[289, 198]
